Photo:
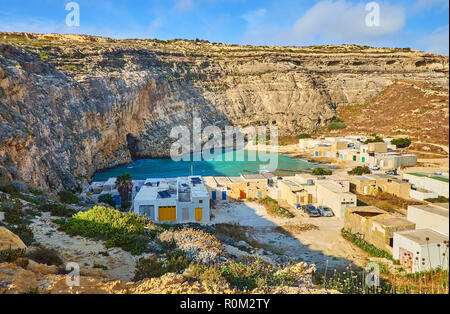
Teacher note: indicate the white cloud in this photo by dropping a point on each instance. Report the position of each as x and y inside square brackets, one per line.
[254, 17]
[184, 5]
[155, 25]
[329, 22]
[427, 4]
[438, 41]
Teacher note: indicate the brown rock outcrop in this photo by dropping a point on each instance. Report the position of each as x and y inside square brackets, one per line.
[71, 105]
[9, 240]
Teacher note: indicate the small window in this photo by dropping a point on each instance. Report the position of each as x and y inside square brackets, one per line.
[200, 201]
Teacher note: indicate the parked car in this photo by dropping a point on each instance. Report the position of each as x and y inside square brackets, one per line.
[311, 211]
[374, 167]
[392, 172]
[325, 211]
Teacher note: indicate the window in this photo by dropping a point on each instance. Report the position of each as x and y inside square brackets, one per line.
[200, 201]
[147, 211]
[185, 213]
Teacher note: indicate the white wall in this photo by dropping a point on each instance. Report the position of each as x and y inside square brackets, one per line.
[433, 185]
[431, 253]
[421, 196]
[428, 220]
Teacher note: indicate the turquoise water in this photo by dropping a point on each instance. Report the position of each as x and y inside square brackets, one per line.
[217, 166]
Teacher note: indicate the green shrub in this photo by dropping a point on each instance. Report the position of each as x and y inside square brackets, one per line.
[57, 210]
[148, 268]
[13, 191]
[359, 171]
[10, 189]
[304, 135]
[369, 248]
[376, 139]
[174, 262]
[24, 233]
[43, 255]
[14, 214]
[11, 255]
[35, 191]
[107, 199]
[29, 199]
[100, 266]
[401, 142]
[321, 172]
[68, 197]
[440, 199]
[274, 209]
[124, 230]
[250, 274]
[336, 126]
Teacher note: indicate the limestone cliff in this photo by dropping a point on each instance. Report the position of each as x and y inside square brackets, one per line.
[71, 105]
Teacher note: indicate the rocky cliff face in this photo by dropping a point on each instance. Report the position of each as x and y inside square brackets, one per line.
[71, 105]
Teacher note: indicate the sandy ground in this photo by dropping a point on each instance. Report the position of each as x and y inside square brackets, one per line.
[120, 263]
[321, 247]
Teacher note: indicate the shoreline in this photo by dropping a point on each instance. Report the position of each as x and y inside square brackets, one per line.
[277, 172]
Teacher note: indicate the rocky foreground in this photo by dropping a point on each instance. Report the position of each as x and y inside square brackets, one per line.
[71, 105]
[168, 260]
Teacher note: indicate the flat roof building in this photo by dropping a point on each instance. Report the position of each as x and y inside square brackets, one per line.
[179, 200]
[335, 196]
[375, 226]
[421, 250]
[433, 216]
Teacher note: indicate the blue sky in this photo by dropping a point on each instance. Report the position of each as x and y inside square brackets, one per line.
[418, 24]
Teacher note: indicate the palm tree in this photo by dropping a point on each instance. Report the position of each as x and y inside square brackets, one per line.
[124, 185]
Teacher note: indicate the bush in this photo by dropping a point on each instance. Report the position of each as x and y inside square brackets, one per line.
[174, 262]
[57, 210]
[13, 214]
[107, 199]
[321, 172]
[35, 191]
[304, 135]
[440, 199]
[68, 197]
[24, 233]
[274, 209]
[124, 230]
[148, 268]
[13, 191]
[10, 189]
[401, 142]
[359, 171]
[11, 255]
[369, 248]
[43, 255]
[376, 139]
[247, 275]
[336, 126]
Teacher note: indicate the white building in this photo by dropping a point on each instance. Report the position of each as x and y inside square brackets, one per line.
[335, 196]
[421, 250]
[432, 216]
[181, 200]
[438, 184]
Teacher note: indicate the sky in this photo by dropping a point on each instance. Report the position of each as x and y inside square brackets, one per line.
[416, 24]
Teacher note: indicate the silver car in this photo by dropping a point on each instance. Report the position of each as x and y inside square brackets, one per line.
[325, 211]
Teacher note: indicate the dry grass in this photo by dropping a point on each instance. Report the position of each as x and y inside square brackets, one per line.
[387, 202]
[412, 109]
[294, 229]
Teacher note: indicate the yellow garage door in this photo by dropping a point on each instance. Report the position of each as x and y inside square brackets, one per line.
[167, 213]
[198, 214]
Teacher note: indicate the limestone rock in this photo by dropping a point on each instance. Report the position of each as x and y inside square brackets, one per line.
[10, 240]
[71, 105]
